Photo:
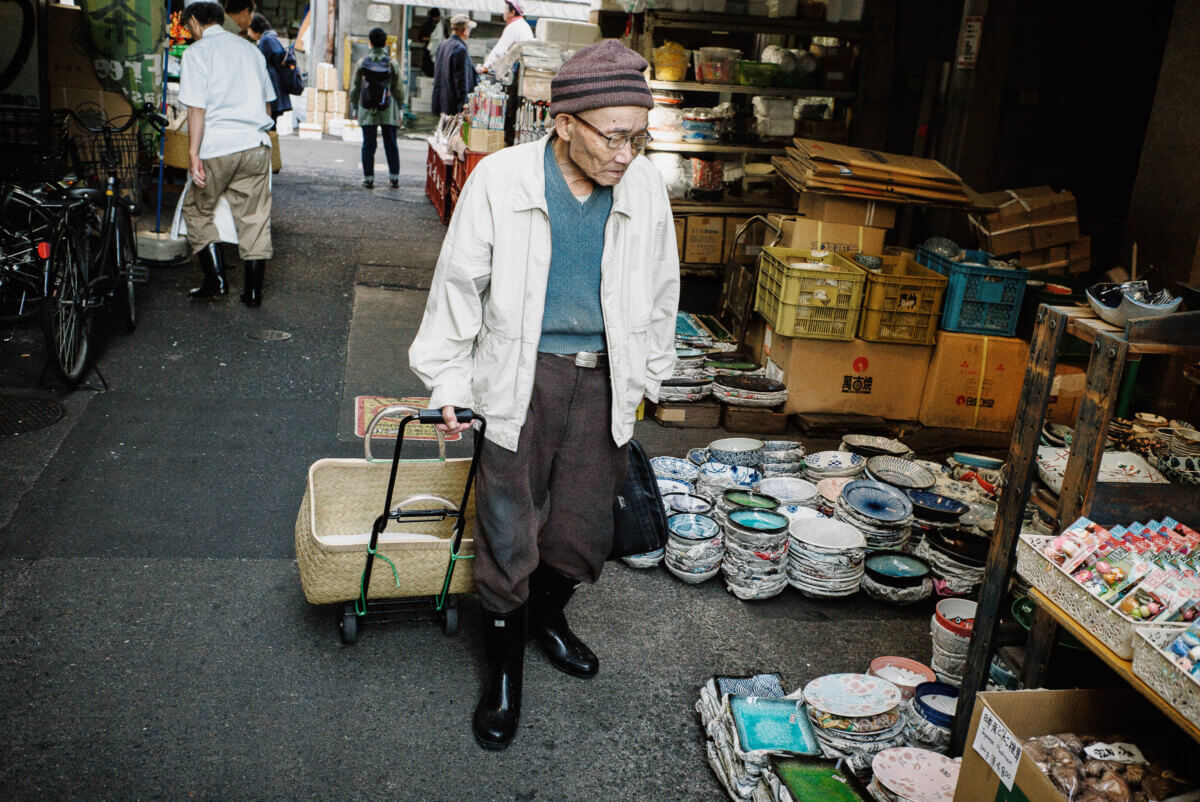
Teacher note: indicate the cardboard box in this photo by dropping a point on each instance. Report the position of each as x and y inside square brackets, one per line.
[1066, 391]
[1029, 206]
[974, 382]
[327, 78]
[852, 211]
[753, 420]
[853, 377]
[1016, 241]
[484, 140]
[1053, 234]
[1018, 715]
[704, 414]
[705, 240]
[70, 61]
[308, 130]
[311, 99]
[813, 235]
[338, 103]
[320, 119]
[680, 235]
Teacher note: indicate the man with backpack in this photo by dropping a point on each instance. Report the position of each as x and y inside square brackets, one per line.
[376, 93]
[453, 73]
[281, 65]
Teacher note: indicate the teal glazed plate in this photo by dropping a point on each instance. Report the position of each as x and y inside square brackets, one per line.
[773, 725]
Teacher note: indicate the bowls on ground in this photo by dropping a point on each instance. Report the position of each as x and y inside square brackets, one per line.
[936, 508]
[687, 503]
[724, 474]
[896, 569]
[877, 501]
[901, 473]
[870, 445]
[740, 498]
[789, 490]
[667, 485]
[963, 546]
[936, 702]
[833, 464]
[880, 668]
[977, 460]
[693, 527]
[956, 615]
[674, 468]
[743, 451]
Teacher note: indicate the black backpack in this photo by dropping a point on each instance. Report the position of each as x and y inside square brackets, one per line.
[291, 80]
[376, 89]
[639, 521]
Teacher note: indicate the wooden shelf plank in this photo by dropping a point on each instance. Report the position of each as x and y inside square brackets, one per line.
[698, 147]
[1085, 325]
[727, 207]
[738, 89]
[737, 23]
[1123, 668]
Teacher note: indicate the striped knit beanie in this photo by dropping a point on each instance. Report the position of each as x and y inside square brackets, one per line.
[600, 75]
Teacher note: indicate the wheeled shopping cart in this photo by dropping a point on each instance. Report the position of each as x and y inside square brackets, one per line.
[342, 532]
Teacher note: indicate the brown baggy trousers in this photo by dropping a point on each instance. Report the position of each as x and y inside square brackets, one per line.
[245, 179]
[551, 500]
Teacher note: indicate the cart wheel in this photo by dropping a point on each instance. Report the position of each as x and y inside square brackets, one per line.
[348, 624]
[450, 616]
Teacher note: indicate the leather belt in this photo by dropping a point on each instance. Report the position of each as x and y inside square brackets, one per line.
[588, 359]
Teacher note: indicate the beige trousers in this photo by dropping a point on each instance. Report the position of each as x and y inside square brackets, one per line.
[244, 179]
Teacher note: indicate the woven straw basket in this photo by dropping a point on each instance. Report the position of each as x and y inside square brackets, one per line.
[341, 503]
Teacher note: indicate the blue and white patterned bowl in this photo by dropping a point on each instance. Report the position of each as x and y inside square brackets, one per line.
[674, 468]
[687, 502]
[788, 490]
[730, 474]
[901, 473]
[699, 456]
[667, 485]
[826, 464]
[693, 526]
[877, 500]
[745, 451]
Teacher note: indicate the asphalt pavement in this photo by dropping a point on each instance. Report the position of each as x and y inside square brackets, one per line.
[156, 643]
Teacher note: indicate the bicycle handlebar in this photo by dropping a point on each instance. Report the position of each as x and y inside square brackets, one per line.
[145, 112]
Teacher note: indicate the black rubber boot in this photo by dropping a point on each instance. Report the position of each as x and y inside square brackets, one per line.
[549, 592]
[252, 294]
[212, 265]
[496, 715]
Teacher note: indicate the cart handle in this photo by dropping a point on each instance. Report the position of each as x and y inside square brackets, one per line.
[400, 505]
[435, 415]
[389, 411]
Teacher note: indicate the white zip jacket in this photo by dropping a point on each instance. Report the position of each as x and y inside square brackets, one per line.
[477, 345]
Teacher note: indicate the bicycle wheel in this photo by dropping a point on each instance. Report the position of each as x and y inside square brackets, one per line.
[125, 249]
[65, 323]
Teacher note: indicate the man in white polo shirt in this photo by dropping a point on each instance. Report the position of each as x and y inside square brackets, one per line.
[516, 30]
[225, 85]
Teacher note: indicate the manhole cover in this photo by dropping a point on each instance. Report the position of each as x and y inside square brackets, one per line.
[24, 413]
[269, 334]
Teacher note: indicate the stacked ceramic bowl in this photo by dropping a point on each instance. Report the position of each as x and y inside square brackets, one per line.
[957, 557]
[855, 716]
[911, 774]
[950, 628]
[730, 364]
[689, 361]
[675, 503]
[825, 558]
[790, 490]
[898, 472]
[896, 578]
[782, 458]
[674, 468]
[694, 547]
[756, 551]
[869, 445]
[749, 391]
[881, 512]
[932, 511]
[833, 465]
[902, 672]
[741, 498]
[716, 477]
[829, 490]
[684, 389]
[929, 713]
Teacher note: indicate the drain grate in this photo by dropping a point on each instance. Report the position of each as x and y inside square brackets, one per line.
[24, 413]
[269, 335]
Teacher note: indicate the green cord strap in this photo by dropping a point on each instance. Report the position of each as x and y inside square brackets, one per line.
[360, 606]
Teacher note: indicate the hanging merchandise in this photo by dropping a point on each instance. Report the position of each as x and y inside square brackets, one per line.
[533, 121]
[127, 39]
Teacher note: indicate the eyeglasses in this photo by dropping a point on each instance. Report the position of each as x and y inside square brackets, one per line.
[618, 141]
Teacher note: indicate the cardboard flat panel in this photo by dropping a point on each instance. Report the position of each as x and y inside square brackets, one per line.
[817, 235]
[974, 382]
[705, 240]
[852, 211]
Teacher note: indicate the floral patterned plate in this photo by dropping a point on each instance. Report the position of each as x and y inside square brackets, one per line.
[835, 461]
[918, 775]
[1115, 466]
[851, 694]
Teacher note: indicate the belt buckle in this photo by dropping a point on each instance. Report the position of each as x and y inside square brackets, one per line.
[587, 359]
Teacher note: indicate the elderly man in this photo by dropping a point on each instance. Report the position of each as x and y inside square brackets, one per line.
[516, 30]
[552, 313]
[228, 93]
[453, 75]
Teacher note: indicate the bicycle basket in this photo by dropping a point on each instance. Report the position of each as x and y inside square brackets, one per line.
[126, 154]
[32, 146]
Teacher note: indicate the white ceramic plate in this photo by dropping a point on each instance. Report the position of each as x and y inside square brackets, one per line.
[1115, 466]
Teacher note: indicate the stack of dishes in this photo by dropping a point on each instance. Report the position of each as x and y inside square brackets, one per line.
[756, 550]
[929, 714]
[694, 547]
[667, 486]
[932, 511]
[830, 489]
[749, 391]
[741, 498]
[674, 468]
[881, 512]
[790, 490]
[674, 503]
[896, 577]
[957, 558]
[870, 445]
[689, 360]
[782, 458]
[833, 465]
[909, 774]
[800, 512]
[825, 558]
[730, 364]
[905, 674]
[899, 472]
[950, 628]
[855, 716]
[685, 389]
[715, 477]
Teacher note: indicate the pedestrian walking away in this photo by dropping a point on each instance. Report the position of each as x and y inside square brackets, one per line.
[276, 56]
[430, 35]
[240, 13]
[227, 91]
[516, 30]
[454, 75]
[376, 93]
[552, 312]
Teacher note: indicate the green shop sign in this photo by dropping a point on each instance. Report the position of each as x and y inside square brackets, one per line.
[127, 46]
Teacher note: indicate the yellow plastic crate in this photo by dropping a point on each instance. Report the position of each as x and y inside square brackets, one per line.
[902, 302]
[814, 303]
